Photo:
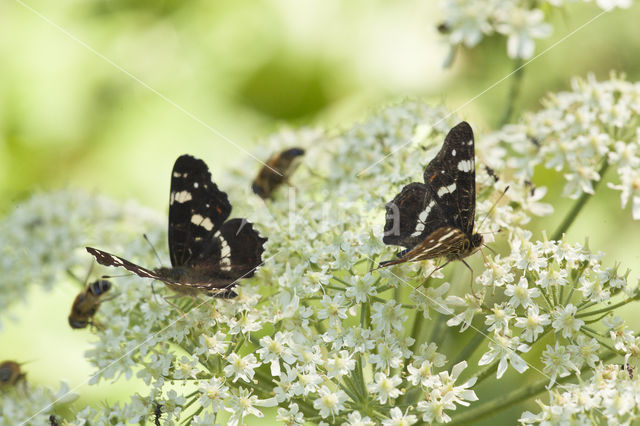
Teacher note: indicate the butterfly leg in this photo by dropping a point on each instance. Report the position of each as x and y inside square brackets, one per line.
[174, 296]
[470, 281]
[437, 268]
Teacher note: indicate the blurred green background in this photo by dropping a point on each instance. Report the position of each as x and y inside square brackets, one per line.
[104, 95]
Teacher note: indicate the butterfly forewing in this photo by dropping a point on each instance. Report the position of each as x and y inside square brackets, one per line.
[197, 209]
[108, 259]
[451, 177]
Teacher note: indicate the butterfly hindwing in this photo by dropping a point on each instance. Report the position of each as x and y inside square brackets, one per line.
[197, 209]
[412, 215]
[236, 250]
[451, 177]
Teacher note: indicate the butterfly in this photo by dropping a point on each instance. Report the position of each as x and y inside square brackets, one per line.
[436, 218]
[209, 253]
[284, 163]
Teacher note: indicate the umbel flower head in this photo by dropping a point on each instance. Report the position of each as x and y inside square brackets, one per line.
[582, 134]
[323, 337]
[467, 22]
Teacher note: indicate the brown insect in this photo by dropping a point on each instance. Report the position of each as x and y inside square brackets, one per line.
[10, 373]
[87, 302]
[278, 169]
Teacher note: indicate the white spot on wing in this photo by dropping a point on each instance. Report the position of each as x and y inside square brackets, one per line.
[470, 142]
[446, 236]
[176, 174]
[422, 218]
[453, 153]
[196, 184]
[447, 190]
[465, 166]
[180, 197]
[205, 222]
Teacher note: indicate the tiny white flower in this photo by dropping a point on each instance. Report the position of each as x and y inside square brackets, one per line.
[565, 321]
[213, 392]
[340, 364]
[504, 347]
[533, 324]
[387, 317]
[521, 294]
[398, 418]
[241, 367]
[389, 355]
[385, 387]
[557, 362]
[355, 419]
[362, 288]
[216, 344]
[329, 403]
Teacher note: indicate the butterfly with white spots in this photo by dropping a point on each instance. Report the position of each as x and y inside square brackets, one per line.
[436, 218]
[208, 253]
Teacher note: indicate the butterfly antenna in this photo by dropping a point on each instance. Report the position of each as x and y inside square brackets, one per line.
[86, 279]
[152, 248]
[72, 275]
[116, 276]
[493, 207]
[492, 250]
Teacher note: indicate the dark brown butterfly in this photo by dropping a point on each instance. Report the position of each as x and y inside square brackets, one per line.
[209, 253]
[436, 218]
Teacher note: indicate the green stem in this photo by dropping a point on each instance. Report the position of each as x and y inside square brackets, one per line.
[514, 91]
[582, 200]
[596, 336]
[488, 371]
[381, 300]
[604, 310]
[340, 281]
[470, 348]
[504, 402]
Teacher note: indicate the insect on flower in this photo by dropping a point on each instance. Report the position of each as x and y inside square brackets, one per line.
[10, 373]
[209, 253]
[278, 170]
[87, 302]
[436, 218]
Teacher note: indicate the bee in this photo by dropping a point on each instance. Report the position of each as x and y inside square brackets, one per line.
[86, 303]
[10, 373]
[278, 169]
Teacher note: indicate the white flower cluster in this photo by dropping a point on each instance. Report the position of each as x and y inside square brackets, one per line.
[314, 333]
[610, 396]
[581, 134]
[548, 286]
[467, 22]
[321, 335]
[23, 401]
[44, 237]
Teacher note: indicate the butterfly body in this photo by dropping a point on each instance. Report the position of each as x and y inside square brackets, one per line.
[435, 219]
[209, 253]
